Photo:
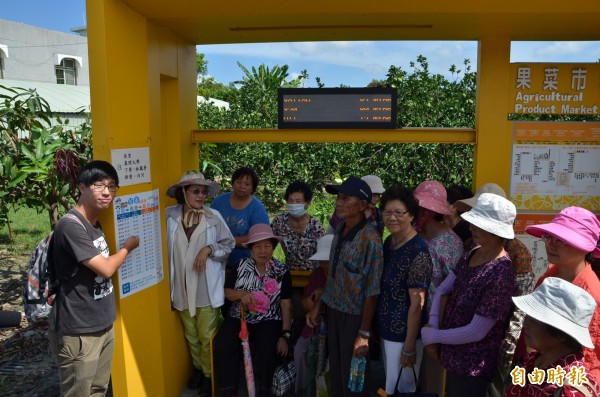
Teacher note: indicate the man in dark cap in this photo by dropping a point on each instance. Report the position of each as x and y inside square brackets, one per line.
[356, 262]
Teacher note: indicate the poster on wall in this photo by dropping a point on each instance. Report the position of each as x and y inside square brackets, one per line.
[139, 214]
[555, 165]
[132, 165]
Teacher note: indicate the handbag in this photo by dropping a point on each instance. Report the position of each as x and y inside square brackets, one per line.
[283, 378]
[416, 393]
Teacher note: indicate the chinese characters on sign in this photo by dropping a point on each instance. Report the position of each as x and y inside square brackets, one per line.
[555, 165]
[562, 88]
[575, 376]
[139, 214]
[132, 165]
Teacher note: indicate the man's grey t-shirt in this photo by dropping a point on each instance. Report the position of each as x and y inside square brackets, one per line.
[85, 301]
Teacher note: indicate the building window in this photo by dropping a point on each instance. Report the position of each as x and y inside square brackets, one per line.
[66, 72]
[1, 66]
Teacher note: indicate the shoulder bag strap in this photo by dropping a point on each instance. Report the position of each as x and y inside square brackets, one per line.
[57, 328]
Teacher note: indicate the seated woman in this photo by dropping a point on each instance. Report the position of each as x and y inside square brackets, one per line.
[264, 286]
[556, 326]
[299, 230]
[479, 304]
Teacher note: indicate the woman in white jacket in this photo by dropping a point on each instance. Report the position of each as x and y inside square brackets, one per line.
[199, 243]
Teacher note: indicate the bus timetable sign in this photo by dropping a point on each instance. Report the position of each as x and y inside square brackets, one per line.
[337, 107]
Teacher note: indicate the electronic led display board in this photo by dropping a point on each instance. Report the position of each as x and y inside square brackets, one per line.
[337, 107]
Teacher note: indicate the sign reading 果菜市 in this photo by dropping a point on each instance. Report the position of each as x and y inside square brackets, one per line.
[555, 88]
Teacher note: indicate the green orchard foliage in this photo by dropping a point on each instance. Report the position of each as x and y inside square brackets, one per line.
[41, 155]
[424, 100]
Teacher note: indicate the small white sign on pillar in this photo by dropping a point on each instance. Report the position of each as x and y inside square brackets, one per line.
[132, 165]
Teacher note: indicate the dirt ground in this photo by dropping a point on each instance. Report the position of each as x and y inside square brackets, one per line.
[26, 366]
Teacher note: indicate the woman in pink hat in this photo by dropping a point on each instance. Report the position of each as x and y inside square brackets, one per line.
[263, 286]
[446, 249]
[571, 240]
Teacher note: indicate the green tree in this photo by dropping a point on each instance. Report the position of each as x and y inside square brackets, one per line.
[201, 65]
[424, 100]
[257, 99]
[41, 155]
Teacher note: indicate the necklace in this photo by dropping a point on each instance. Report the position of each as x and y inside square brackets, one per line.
[400, 242]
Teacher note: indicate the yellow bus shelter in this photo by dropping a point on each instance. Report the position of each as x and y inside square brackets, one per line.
[143, 92]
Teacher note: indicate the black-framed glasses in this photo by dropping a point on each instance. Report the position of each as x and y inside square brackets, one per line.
[99, 187]
[395, 214]
[548, 239]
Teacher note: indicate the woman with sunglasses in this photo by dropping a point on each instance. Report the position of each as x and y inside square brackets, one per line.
[199, 243]
[571, 240]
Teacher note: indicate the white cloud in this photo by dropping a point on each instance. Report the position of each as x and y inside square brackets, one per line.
[555, 51]
[358, 62]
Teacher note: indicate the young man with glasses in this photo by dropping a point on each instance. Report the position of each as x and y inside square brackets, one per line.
[81, 323]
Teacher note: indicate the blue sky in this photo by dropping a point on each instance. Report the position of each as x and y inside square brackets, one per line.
[350, 63]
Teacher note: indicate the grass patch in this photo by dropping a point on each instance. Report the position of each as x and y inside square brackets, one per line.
[28, 228]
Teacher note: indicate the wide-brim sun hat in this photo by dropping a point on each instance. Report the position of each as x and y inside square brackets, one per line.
[575, 226]
[353, 186]
[195, 178]
[374, 183]
[323, 248]
[485, 188]
[260, 232]
[562, 305]
[494, 214]
[432, 196]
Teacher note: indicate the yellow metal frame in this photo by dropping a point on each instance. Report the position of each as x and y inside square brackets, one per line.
[143, 94]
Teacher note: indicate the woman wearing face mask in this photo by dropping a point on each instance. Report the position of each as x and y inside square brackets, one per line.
[299, 230]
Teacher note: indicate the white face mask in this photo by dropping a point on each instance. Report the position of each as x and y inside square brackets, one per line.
[296, 210]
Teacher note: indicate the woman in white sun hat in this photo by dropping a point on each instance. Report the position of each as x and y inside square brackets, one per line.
[556, 326]
[199, 243]
[480, 289]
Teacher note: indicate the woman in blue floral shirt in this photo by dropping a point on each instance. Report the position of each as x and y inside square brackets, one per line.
[263, 285]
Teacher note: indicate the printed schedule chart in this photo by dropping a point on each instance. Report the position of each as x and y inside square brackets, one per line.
[139, 214]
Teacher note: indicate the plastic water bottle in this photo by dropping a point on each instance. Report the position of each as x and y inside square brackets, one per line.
[356, 381]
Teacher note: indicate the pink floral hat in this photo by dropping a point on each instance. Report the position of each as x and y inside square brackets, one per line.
[259, 232]
[575, 226]
[432, 195]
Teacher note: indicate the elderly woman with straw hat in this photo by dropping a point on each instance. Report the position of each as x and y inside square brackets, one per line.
[479, 303]
[198, 242]
[558, 316]
[571, 240]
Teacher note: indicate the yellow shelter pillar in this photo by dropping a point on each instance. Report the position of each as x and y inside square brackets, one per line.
[143, 94]
[494, 140]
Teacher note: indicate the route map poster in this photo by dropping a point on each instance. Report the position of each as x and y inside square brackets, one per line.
[555, 165]
[139, 214]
